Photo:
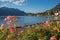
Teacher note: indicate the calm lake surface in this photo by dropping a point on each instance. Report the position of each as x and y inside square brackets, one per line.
[29, 20]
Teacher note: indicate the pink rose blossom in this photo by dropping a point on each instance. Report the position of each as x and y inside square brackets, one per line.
[53, 38]
[12, 30]
[2, 26]
[8, 18]
[9, 27]
[47, 23]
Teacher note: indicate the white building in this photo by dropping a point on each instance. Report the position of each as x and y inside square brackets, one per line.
[56, 14]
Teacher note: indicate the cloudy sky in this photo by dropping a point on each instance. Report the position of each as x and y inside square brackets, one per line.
[32, 6]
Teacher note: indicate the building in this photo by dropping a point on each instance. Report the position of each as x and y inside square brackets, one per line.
[57, 13]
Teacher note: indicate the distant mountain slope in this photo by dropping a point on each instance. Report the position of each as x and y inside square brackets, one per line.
[4, 11]
[53, 10]
[47, 12]
[56, 8]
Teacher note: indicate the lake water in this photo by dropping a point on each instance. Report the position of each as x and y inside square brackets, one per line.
[29, 20]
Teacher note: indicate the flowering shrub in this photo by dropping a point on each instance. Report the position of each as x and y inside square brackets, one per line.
[49, 30]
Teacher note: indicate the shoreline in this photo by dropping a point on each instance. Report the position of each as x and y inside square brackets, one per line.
[33, 25]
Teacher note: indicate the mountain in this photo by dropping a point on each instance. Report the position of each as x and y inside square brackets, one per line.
[48, 12]
[53, 10]
[4, 11]
[56, 8]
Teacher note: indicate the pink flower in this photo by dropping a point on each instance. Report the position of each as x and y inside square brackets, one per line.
[9, 27]
[15, 25]
[20, 32]
[9, 22]
[14, 18]
[12, 30]
[5, 19]
[53, 38]
[59, 31]
[2, 26]
[58, 22]
[47, 23]
[8, 18]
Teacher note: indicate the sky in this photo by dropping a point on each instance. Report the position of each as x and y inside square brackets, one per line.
[30, 6]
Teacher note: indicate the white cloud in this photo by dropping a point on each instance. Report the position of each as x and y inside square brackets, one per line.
[4, 5]
[6, 0]
[15, 2]
[22, 0]
[19, 2]
[2, 0]
[11, 0]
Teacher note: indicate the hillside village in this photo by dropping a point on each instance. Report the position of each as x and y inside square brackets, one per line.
[52, 12]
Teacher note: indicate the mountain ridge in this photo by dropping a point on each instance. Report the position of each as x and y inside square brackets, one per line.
[56, 8]
[5, 11]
